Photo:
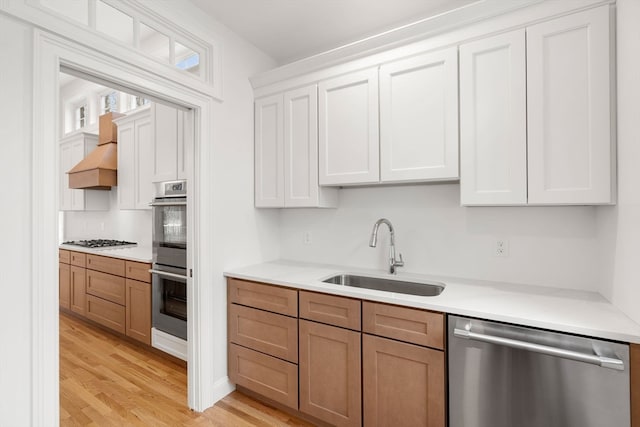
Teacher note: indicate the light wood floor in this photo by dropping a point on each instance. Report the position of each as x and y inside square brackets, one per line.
[105, 381]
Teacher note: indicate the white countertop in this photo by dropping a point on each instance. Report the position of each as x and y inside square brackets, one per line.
[578, 312]
[135, 253]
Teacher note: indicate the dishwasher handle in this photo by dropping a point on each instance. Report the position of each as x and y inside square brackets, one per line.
[604, 362]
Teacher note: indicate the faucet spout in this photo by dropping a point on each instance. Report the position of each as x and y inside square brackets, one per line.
[393, 262]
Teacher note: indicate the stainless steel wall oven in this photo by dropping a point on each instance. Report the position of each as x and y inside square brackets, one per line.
[169, 282]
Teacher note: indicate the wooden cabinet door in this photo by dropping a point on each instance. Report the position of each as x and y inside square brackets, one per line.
[164, 143]
[404, 385]
[78, 298]
[493, 127]
[419, 118]
[269, 154]
[570, 155]
[64, 281]
[348, 129]
[330, 387]
[138, 311]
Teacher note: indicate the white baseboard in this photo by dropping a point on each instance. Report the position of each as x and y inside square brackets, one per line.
[221, 388]
[169, 344]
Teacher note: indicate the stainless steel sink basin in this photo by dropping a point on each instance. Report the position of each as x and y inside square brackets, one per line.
[426, 289]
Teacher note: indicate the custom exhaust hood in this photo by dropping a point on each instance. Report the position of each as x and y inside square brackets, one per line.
[99, 170]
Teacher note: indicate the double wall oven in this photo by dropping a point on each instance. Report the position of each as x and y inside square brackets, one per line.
[169, 280]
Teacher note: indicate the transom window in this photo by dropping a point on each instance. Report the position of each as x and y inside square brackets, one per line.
[109, 102]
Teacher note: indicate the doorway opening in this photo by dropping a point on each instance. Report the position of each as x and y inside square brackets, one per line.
[105, 321]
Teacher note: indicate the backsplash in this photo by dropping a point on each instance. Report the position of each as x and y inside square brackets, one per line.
[550, 246]
[131, 225]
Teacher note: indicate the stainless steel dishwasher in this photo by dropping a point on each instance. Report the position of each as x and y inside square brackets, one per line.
[502, 375]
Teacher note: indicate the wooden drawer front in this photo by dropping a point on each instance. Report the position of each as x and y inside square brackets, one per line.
[331, 309]
[267, 297]
[106, 264]
[138, 271]
[78, 259]
[266, 375]
[263, 331]
[106, 286]
[404, 324]
[106, 313]
[64, 256]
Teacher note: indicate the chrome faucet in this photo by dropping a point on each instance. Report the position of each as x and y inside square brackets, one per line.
[393, 262]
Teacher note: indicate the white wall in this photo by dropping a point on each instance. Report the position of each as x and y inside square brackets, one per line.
[15, 215]
[550, 246]
[620, 225]
[130, 225]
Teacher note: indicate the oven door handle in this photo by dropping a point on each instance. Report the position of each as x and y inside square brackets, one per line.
[605, 362]
[168, 204]
[166, 274]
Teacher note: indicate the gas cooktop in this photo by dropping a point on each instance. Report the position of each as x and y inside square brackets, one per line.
[100, 243]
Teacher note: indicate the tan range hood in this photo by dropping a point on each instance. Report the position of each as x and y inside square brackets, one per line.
[99, 170]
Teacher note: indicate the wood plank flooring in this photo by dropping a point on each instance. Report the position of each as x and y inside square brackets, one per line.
[105, 381]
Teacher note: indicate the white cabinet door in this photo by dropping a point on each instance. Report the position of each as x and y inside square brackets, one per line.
[164, 143]
[73, 149]
[419, 118]
[135, 164]
[66, 164]
[269, 146]
[493, 129]
[126, 165]
[77, 154]
[348, 129]
[569, 109]
[301, 147]
[185, 141]
[144, 191]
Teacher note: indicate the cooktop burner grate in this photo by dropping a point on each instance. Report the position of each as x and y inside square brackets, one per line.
[99, 243]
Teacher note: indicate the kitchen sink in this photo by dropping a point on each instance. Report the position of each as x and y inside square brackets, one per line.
[422, 288]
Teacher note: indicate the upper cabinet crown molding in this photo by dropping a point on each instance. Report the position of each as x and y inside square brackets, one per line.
[477, 20]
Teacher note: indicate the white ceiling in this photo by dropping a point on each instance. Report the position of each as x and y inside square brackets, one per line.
[293, 29]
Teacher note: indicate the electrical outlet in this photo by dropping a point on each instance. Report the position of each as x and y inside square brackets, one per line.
[502, 248]
[306, 238]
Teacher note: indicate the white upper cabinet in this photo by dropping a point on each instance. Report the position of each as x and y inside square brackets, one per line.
[170, 134]
[570, 147]
[269, 152]
[348, 129]
[72, 150]
[419, 118]
[135, 165]
[286, 151]
[493, 129]
[165, 143]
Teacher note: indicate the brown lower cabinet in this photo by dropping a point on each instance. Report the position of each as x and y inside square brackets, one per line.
[110, 291]
[64, 278]
[330, 386]
[78, 290]
[404, 384]
[138, 311]
[351, 372]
